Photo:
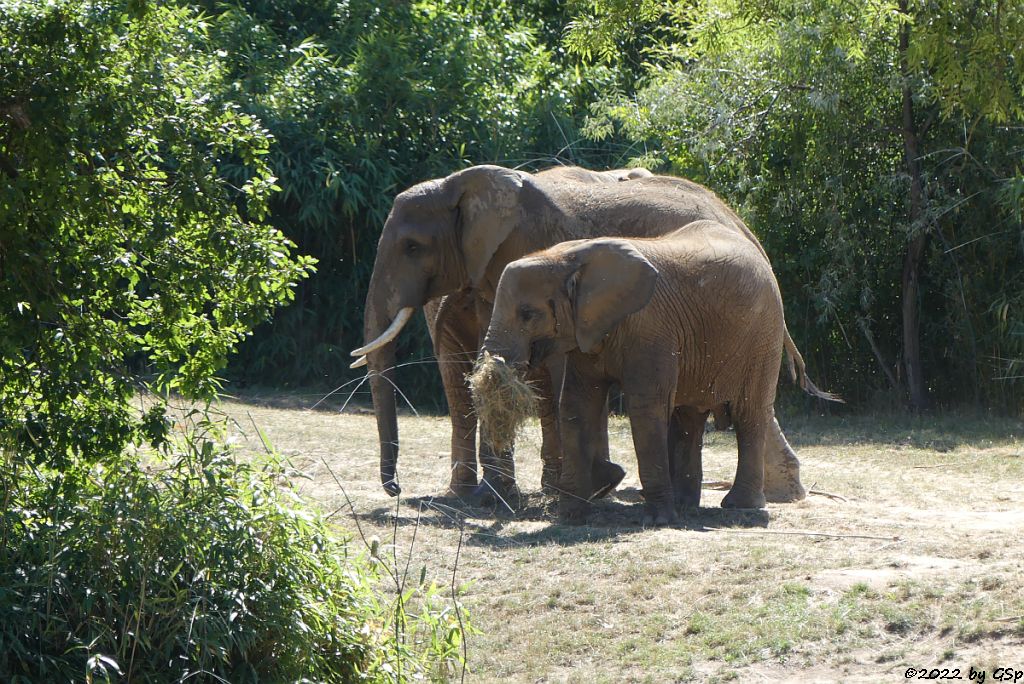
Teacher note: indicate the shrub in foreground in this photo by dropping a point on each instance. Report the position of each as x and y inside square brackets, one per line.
[201, 568]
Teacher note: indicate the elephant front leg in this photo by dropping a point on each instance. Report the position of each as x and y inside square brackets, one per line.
[605, 475]
[649, 420]
[452, 323]
[686, 442]
[463, 417]
[549, 387]
[499, 482]
[580, 410]
[781, 468]
[464, 474]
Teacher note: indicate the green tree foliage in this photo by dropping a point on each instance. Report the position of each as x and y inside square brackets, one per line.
[365, 99]
[134, 255]
[876, 148]
[121, 240]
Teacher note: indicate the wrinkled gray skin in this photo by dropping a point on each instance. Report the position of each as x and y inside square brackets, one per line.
[451, 238]
[453, 322]
[687, 323]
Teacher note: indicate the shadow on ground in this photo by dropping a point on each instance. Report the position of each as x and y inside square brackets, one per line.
[616, 516]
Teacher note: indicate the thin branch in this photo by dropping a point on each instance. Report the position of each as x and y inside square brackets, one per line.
[455, 601]
[797, 533]
[878, 354]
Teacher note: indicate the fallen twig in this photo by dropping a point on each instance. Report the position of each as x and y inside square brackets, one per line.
[725, 484]
[830, 495]
[799, 533]
[455, 601]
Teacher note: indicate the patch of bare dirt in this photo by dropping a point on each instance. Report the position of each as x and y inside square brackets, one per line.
[901, 569]
[933, 536]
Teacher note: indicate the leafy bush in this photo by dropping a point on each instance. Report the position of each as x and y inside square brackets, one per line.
[196, 567]
[134, 255]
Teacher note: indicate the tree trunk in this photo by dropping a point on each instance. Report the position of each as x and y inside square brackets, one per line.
[919, 237]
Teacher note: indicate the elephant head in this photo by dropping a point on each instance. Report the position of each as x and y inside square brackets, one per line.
[439, 237]
[570, 296]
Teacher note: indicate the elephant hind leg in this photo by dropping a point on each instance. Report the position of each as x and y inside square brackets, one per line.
[752, 430]
[606, 475]
[781, 468]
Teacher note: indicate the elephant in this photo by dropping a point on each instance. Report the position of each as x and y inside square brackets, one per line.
[581, 175]
[686, 323]
[452, 237]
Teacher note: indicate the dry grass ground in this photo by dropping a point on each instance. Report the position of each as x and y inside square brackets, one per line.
[921, 566]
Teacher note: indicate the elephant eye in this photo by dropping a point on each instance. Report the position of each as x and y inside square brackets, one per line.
[412, 247]
[526, 314]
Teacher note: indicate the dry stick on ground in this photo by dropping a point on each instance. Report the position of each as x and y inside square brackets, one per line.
[829, 495]
[455, 601]
[799, 533]
[725, 484]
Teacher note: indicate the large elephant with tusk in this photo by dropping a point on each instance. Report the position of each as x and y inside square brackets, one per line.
[451, 238]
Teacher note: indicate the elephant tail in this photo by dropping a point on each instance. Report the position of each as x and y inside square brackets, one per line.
[798, 372]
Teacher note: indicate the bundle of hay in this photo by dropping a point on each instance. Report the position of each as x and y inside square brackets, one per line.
[503, 400]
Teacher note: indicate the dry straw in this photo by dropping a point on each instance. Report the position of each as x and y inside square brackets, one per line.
[503, 400]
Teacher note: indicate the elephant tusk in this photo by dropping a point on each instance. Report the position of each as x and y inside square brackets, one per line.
[358, 363]
[391, 333]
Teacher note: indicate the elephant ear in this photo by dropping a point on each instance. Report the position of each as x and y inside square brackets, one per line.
[487, 198]
[612, 281]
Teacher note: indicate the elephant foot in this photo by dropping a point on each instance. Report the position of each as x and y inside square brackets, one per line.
[781, 469]
[462, 490]
[782, 482]
[659, 516]
[499, 493]
[549, 477]
[572, 510]
[687, 494]
[786, 493]
[743, 498]
[605, 477]
[463, 479]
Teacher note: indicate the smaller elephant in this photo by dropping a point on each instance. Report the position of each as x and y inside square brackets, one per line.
[687, 323]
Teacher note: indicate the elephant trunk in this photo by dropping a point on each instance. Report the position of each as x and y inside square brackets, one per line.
[383, 393]
[381, 369]
[500, 344]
